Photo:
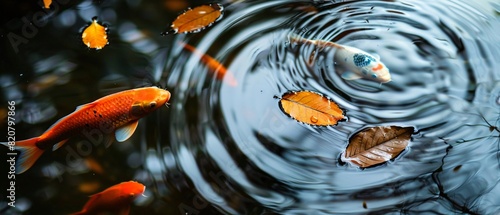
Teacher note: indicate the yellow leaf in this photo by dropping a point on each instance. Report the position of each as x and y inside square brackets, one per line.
[377, 145]
[196, 19]
[311, 108]
[95, 35]
[47, 3]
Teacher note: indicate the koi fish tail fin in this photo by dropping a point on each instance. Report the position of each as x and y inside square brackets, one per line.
[29, 153]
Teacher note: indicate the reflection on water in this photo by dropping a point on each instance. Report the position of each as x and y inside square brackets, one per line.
[230, 149]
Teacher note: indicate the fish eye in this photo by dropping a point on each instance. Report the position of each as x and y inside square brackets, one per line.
[374, 75]
[152, 104]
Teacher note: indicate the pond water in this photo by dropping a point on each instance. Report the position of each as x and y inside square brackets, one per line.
[224, 148]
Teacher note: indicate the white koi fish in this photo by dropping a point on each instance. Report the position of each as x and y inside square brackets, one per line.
[356, 62]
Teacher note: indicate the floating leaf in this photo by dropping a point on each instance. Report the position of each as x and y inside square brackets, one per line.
[214, 66]
[196, 19]
[311, 108]
[47, 3]
[376, 145]
[95, 35]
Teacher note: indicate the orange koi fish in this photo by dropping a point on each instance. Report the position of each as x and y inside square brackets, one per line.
[215, 66]
[116, 199]
[118, 113]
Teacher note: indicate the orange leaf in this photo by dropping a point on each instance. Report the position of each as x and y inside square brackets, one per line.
[47, 3]
[311, 108]
[377, 145]
[196, 19]
[95, 35]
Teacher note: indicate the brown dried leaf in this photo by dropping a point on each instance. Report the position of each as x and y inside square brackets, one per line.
[376, 145]
[311, 108]
[196, 19]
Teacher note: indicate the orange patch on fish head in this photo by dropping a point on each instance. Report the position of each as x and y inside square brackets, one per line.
[379, 66]
[147, 100]
[132, 188]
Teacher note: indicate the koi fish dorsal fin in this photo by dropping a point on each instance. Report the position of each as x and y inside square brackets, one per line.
[58, 145]
[85, 106]
[124, 132]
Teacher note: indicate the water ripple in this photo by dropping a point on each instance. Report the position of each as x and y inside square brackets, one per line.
[241, 152]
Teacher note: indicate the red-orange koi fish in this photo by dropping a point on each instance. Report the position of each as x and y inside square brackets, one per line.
[215, 66]
[116, 199]
[118, 113]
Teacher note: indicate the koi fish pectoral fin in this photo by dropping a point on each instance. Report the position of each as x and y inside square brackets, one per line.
[58, 145]
[350, 76]
[124, 132]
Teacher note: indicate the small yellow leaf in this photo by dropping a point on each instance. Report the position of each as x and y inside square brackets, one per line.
[311, 108]
[377, 145]
[196, 19]
[95, 35]
[47, 3]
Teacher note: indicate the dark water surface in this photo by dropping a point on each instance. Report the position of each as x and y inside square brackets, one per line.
[222, 149]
